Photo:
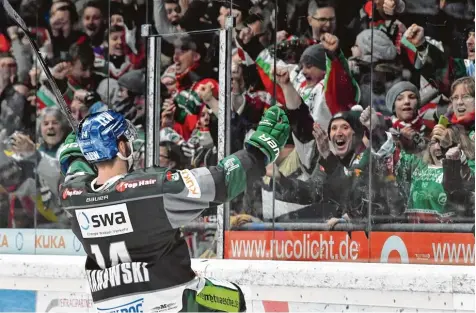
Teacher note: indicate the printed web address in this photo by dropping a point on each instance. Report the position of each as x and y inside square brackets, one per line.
[297, 249]
[451, 253]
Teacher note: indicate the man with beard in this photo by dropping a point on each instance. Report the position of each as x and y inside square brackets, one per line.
[94, 24]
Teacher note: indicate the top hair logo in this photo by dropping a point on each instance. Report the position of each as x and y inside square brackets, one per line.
[71, 192]
[122, 186]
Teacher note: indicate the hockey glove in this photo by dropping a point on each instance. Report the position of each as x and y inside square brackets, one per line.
[272, 133]
[70, 152]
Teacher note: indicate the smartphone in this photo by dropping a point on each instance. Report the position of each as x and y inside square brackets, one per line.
[444, 121]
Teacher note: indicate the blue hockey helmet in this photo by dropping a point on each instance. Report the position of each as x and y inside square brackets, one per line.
[98, 134]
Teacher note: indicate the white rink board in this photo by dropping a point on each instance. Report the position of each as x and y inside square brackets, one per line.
[271, 286]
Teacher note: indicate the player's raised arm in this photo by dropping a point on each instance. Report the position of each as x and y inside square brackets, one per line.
[187, 192]
[105, 143]
[72, 161]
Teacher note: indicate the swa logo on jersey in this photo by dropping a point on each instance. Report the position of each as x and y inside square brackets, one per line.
[104, 221]
[134, 306]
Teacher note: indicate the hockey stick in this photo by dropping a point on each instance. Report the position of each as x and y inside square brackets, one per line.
[59, 97]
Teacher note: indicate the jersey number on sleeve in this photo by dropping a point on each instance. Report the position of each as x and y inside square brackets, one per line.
[117, 253]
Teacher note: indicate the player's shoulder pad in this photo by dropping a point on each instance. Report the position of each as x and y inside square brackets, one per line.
[74, 185]
[141, 181]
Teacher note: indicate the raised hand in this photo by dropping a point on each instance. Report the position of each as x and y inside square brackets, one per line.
[322, 140]
[415, 34]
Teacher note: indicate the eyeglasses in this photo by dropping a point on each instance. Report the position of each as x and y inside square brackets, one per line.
[323, 20]
[465, 99]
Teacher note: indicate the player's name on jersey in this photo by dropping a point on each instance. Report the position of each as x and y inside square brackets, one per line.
[121, 274]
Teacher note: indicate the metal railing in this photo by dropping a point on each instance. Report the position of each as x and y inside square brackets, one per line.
[439, 228]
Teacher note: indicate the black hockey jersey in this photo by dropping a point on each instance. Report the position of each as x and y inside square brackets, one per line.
[129, 229]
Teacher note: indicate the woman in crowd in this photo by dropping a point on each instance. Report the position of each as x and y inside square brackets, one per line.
[53, 128]
[428, 201]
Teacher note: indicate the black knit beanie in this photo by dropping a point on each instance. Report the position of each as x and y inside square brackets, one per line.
[314, 55]
[133, 81]
[353, 118]
[396, 90]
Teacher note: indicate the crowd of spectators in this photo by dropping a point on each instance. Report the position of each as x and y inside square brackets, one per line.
[379, 93]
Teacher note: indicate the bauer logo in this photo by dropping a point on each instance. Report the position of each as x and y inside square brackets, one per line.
[134, 306]
[270, 142]
[104, 221]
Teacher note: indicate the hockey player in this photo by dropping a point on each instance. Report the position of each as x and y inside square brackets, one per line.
[128, 220]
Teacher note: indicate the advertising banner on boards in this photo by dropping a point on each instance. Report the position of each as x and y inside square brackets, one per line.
[39, 241]
[380, 247]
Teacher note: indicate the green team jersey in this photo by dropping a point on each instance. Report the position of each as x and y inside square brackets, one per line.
[422, 184]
